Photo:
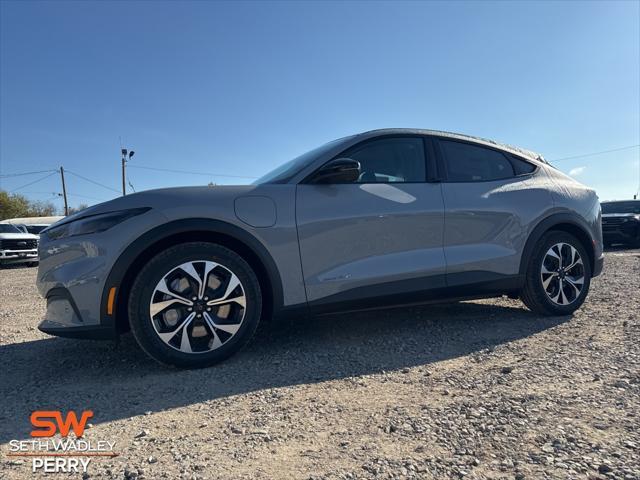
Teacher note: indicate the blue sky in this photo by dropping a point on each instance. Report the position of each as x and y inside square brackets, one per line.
[237, 88]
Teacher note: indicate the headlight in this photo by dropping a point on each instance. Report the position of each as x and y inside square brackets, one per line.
[91, 223]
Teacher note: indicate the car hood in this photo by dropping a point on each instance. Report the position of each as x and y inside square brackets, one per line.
[168, 198]
[18, 236]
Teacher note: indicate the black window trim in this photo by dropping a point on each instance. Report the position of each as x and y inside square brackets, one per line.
[509, 156]
[444, 172]
[429, 151]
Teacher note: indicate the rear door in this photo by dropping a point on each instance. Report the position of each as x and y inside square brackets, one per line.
[490, 203]
[380, 237]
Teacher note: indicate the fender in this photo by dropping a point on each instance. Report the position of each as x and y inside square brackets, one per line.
[547, 224]
[177, 227]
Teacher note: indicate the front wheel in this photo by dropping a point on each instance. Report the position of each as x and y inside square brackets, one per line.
[194, 305]
[558, 275]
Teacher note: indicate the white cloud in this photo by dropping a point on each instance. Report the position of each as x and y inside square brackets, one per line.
[574, 172]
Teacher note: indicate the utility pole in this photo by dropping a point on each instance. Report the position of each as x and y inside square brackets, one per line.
[64, 192]
[637, 197]
[124, 162]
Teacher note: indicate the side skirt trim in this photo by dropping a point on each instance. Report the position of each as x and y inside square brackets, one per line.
[466, 286]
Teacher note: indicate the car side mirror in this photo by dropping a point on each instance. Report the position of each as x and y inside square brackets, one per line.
[340, 170]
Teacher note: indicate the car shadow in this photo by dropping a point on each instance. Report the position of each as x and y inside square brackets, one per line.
[16, 266]
[619, 247]
[120, 381]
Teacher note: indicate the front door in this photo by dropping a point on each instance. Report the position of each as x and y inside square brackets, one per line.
[379, 238]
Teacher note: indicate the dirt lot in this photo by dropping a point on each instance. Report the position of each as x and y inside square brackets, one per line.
[476, 390]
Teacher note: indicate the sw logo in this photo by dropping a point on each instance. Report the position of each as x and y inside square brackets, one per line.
[68, 454]
[47, 422]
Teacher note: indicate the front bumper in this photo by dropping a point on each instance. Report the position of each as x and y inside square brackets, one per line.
[64, 319]
[72, 277]
[621, 231]
[618, 236]
[18, 256]
[91, 332]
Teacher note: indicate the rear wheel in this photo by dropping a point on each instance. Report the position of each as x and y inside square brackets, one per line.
[194, 305]
[558, 275]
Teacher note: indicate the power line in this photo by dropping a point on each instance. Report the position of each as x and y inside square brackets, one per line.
[131, 184]
[595, 153]
[85, 196]
[33, 192]
[93, 181]
[59, 195]
[8, 175]
[207, 174]
[35, 181]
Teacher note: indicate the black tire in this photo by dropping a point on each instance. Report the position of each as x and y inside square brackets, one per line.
[144, 286]
[534, 295]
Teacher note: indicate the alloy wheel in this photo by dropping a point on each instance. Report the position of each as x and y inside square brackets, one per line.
[197, 306]
[562, 273]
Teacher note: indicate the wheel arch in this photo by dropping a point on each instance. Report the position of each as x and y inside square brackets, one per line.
[564, 222]
[152, 242]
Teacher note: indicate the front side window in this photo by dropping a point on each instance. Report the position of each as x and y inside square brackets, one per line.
[471, 163]
[390, 160]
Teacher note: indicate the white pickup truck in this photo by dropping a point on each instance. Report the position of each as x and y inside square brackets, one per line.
[16, 246]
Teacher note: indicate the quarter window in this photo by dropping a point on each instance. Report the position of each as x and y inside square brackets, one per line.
[390, 160]
[471, 163]
[520, 166]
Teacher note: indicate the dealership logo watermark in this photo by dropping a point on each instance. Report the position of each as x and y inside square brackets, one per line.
[60, 455]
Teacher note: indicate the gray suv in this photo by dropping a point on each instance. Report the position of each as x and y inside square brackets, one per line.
[385, 217]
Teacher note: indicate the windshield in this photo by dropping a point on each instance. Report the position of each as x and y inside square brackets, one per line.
[8, 228]
[287, 170]
[621, 207]
[36, 229]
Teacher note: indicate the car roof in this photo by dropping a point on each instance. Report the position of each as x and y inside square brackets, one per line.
[456, 136]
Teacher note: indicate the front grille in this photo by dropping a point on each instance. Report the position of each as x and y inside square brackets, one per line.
[613, 222]
[18, 244]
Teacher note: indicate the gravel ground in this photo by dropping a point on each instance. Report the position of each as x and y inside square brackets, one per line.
[481, 389]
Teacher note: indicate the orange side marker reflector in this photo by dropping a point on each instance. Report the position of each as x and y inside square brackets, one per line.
[110, 300]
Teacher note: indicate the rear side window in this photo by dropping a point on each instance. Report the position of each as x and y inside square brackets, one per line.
[520, 166]
[471, 163]
[390, 160]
